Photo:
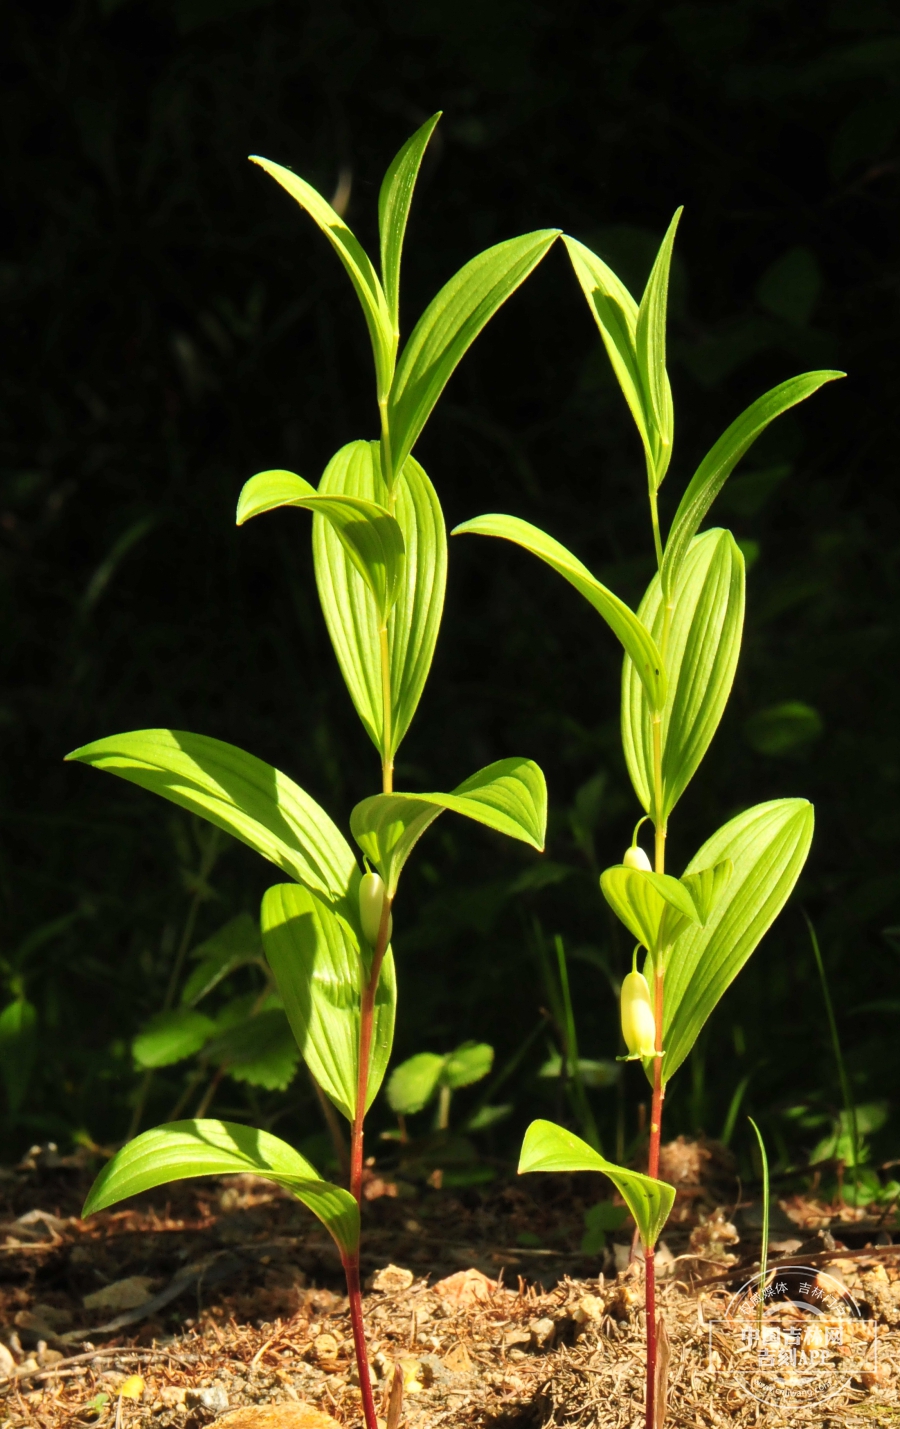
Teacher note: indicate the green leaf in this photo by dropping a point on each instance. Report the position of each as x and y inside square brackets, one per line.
[469, 1063]
[616, 315]
[719, 463]
[350, 610]
[235, 944]
[315, 956]
[361, 273]
[548, 1147]
[593, 1073]
[646, 902]
[702, 650]
[412, 1085]
[219, 1148]
[169, 1037]
[767, 845]
[623, 622]
[509, 796]
[650, 343]
[368, 532]
[238, 793]
[393, 211]
[449, 326]
[783, 729]
[259, 1050]
[18, 1049]
[707, 886]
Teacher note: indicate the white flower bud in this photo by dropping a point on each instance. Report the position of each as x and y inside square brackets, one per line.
[371, 903]
[638, 1022]
[636, 858]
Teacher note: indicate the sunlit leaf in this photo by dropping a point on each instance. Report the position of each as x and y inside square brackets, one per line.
[643, 902]
[233, 945]
[368, 532]
[650, 344]
[509, 796]
[414, 1082]
[238, 793]
[350, 611]
[361, 273]
[448, 327]
[719, 463]
[707, 886]
[702, 649]
[318, 965]
[394, 200]
[548, 1147]
[169, 1037]
[218, 1148]
[623, 622]
[616, 315]
[767, 846]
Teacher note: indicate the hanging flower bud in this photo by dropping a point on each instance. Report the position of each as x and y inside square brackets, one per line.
[638, 1023]
[371, 903]
[636, 858]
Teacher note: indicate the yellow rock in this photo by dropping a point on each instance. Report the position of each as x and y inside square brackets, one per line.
[287, 1415]
[132, 1388]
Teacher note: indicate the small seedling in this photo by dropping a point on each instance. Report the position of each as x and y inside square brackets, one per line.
[379, 546]
[694, 932]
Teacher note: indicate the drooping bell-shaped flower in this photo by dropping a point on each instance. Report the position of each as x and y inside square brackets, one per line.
[371, 904]
[638, 1022]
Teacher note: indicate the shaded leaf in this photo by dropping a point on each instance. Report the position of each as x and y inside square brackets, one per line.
[702, 650]
[412, 1085]
[509, 796]
[215, 1148]
[169, 1037]
[548, 1147]
[469, 1063]
[18, 1049]
[448, 327]
[315, 956]
[233, 945]
[394, 200]
[767, 845]
[349, 608]
[361, 273]
[260, 1050]
[238, 793]
[623, 622]
[368, 533]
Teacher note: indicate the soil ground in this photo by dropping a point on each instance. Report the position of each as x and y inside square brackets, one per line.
[223, 1295]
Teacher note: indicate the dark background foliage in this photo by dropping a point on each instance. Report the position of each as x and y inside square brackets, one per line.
[173, 323]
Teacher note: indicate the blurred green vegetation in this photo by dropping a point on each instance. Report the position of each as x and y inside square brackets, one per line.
[173, 324]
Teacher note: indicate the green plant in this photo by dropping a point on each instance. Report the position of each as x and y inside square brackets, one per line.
[380, 555]
[850, 1119]
[681, 648]
[426, 1076]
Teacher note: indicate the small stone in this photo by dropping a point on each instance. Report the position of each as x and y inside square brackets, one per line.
[326, 1348]
[7, 1363]
[466, 1287]
[517, 1339]
[212, 1398]
[392, 1279]
[172, 1395]
[46, 1358]
[543, 1333]
[284, 1415]
[589, 1309]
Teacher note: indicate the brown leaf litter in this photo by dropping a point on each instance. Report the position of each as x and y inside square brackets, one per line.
[256, 1334]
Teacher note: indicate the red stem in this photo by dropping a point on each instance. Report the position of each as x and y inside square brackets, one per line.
[653, 1170]
[351, 1261]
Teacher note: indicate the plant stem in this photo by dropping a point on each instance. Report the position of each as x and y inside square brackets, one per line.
[351, 1271]
[764, 1252]
[351, 1260]
[654, 517]
[656, 1107]
[849, 1106]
